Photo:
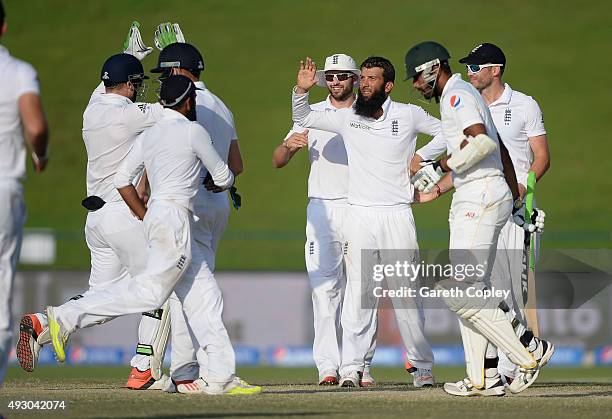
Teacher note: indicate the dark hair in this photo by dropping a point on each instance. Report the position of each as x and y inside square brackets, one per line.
[388, 69]
[182, 102]
[2, 14]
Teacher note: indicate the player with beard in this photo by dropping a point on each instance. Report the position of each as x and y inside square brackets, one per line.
[380, 136]
[327, 191]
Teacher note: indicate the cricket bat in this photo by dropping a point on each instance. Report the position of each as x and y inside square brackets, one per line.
[528, 277]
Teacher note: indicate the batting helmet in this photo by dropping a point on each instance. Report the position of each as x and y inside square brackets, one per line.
[423, 53]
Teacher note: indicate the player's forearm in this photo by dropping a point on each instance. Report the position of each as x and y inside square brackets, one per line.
[282, 155]
[234, 160]
[130, 196]
[541, 158]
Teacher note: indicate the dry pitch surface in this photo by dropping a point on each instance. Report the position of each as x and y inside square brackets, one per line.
[94, 392]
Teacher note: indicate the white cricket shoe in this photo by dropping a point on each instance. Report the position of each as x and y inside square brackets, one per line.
[366, 379]
[493, 387]
[423, 377]
[526, 377]
[352, 379]
[328, 378]
[194, 387]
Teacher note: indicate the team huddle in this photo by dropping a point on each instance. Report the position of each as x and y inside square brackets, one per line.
[160, 184]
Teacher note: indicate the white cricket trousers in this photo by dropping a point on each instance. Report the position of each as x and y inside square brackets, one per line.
[118, 249]
[324, 262]
[215, 359]
[12, 217]
[370, 231]
[168, 234]
[478, 212]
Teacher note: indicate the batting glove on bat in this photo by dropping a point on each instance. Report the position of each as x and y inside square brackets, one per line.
[535, 224]
[134, 45]
[427, 176]
[166, 34]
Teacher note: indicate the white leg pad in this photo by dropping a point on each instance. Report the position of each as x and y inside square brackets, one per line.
[474, 346]
[488, 319]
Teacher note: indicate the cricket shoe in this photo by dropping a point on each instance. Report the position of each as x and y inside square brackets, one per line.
[493, 387]
[526, 377]
[423, 377]
[28, 346]
[366, 379]
[237, 386]
[352, 379]
[143, 380]
[328, 378]
[59, 336]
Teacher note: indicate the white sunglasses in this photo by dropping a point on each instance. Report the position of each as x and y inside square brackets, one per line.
[476, 68]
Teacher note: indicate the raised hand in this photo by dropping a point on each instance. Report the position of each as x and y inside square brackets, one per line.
[134, 45]
[306, 77]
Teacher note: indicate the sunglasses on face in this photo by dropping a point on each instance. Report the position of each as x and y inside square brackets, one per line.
[339, 76]
[476, 68]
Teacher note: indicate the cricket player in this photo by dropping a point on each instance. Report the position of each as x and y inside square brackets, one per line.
[172, 151]
[485, 186]
[518, 119]
[22, 121]
[327, 192]
[116, 240]
[211, 206]
[380, 136]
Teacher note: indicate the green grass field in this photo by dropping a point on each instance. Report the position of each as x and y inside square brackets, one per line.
[95, 392]
[558, 52]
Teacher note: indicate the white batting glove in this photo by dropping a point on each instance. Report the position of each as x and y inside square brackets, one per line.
[535, 224]
[166, 34]
[427, 176]
[134, 45]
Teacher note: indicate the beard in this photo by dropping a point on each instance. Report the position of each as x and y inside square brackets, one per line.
[342, 95]
[368, 107]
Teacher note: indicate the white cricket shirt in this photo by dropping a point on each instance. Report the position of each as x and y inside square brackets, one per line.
[460, 107]
[218, 121]
[378, 150]
[328, 178]
[111, 123]
[518, 117]
[18, 78]
[173, 151]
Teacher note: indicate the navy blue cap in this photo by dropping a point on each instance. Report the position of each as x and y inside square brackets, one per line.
[485, 54]
[179, 55]
[175, 89]
[121, 68]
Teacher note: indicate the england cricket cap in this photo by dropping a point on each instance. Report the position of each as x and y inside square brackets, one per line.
[120, 68]
[485, 54]
[175, 89]
[179, 55]
[337, 62]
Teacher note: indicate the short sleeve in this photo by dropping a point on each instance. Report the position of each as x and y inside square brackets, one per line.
[424, 122]
[464, 108]
[233, 124]
[534, 121]
[27, 80]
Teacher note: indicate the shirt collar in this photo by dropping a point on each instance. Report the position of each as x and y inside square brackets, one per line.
[200, 85]
[385, 108]
[4, 50]
[450, 82]
[505, 96]
[172, 114]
